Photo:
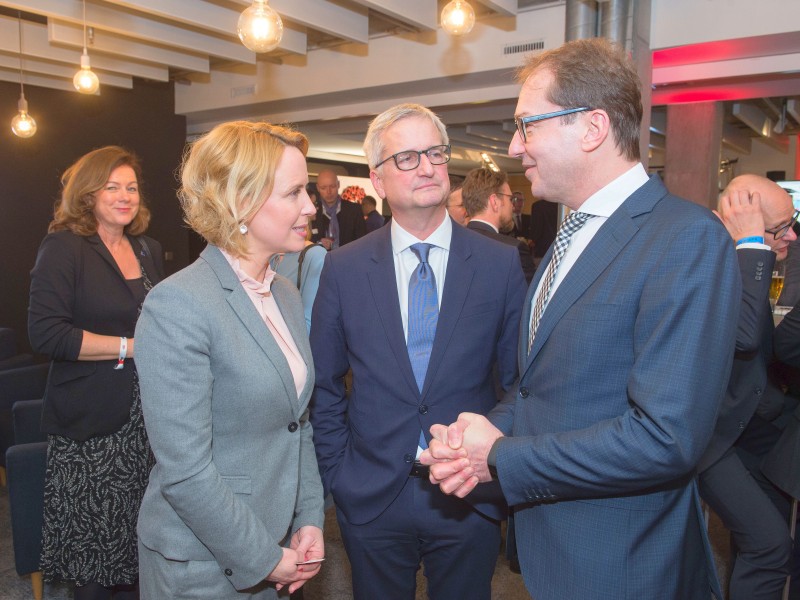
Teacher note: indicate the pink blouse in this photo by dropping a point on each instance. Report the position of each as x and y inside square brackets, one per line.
[266, 306]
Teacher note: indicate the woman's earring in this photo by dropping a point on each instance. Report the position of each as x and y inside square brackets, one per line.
[243, 229]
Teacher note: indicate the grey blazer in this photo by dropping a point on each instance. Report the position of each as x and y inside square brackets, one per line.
[235, 472]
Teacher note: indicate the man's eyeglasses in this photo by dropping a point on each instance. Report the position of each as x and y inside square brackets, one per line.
[781, 230]
[408, 160]
[521, 122]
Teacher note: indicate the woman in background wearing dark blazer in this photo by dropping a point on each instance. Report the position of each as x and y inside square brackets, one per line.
[92, 273]
[234, 505]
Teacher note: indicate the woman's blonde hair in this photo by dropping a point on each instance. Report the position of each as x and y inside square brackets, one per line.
[74, 210]
[228, 174]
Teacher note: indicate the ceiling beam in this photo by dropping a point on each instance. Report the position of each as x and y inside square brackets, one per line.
[495, 133]
[351, 24]
[67, 34]
[36, 44]
[735, 139]
[758, 121]
[420, 14]
[507, 8]
[45, 81]
[123, 23]
[40, 67]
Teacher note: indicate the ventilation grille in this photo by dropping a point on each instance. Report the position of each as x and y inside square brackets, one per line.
[524, 47]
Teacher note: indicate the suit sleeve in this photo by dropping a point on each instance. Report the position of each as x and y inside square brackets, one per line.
[329, 403]
[309, 279]
[682, 350]
[787, 338]
[755, 267]
[174, 355]
[53, 279]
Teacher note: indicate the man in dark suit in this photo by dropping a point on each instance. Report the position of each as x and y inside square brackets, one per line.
[758, 215]
[520, 226]
[626, 345]
[424, 312]
[544, 225]
[338, 222]
[487, 199]
[372, 218]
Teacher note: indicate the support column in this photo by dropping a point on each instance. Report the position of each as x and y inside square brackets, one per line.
[694, 138]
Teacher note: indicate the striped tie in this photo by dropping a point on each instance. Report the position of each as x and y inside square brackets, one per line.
[573, 222]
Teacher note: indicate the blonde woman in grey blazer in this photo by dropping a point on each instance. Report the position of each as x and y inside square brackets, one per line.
[234, 504]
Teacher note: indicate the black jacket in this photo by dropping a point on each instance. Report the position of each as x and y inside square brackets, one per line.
[76, 286]
[351, 223]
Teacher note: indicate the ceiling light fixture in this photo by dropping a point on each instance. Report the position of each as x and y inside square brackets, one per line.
[260, 28]
[85, 81]
[458, 17]
[23, 125]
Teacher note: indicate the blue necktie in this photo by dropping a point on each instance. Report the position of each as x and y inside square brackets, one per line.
[423, 314]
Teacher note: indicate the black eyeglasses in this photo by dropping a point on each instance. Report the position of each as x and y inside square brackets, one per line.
[781, 230]
[521, 122]
[408, 160]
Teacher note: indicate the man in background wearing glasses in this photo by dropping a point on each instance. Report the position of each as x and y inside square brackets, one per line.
[626, 345]
[424, 312]
[487, 199]
[759, 216]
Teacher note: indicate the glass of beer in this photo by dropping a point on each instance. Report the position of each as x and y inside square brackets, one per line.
[776, 287]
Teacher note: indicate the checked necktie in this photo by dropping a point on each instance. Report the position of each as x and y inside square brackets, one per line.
[423, 314]
[573, 222]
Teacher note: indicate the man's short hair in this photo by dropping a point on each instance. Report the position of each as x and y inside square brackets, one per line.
[598, 74]
[370, 201]
[479, 184]
[373, 144]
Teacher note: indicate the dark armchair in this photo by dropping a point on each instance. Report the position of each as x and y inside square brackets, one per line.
[23, 383]
[26, 469]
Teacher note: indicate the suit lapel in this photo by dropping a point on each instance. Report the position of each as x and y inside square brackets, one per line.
[383, 284]
[243, 307]
[605, 246]
[295, 321]
[456, 289]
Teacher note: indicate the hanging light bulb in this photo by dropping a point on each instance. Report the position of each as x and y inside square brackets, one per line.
[23, 125]
[458, 17]
[85, 81]
[260, 28]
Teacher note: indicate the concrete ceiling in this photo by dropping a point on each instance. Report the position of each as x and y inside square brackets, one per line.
[189, 41]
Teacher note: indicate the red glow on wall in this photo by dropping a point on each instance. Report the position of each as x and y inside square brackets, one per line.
[699, 53]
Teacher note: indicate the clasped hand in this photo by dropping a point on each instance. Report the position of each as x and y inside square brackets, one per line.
[457, 454]
[306, 544]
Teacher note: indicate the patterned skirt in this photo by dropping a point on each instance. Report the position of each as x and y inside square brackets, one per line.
[93, 490]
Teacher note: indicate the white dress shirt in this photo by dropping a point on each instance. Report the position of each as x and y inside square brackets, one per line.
[406, 262]
[601, 205]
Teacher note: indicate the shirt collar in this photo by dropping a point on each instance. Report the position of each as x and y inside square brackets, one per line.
[605, 201]
[495, 229]
[402, 239]
[248, 282]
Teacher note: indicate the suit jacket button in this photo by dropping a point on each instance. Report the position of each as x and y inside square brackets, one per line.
[292, 427]
[409, 458]
[228, 572]
[759, 391]
[524, 392]
[741, 424]
[423, 410]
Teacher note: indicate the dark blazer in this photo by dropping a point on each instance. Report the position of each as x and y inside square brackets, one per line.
[76, 286]
[525, 257]
[617, 401]
[544, 226]
[366, 444]
[351, 223]
[748, 380]
[524, 229]
[781, 464]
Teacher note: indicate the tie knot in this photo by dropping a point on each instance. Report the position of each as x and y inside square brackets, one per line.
[421, 250]
[575, 220]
